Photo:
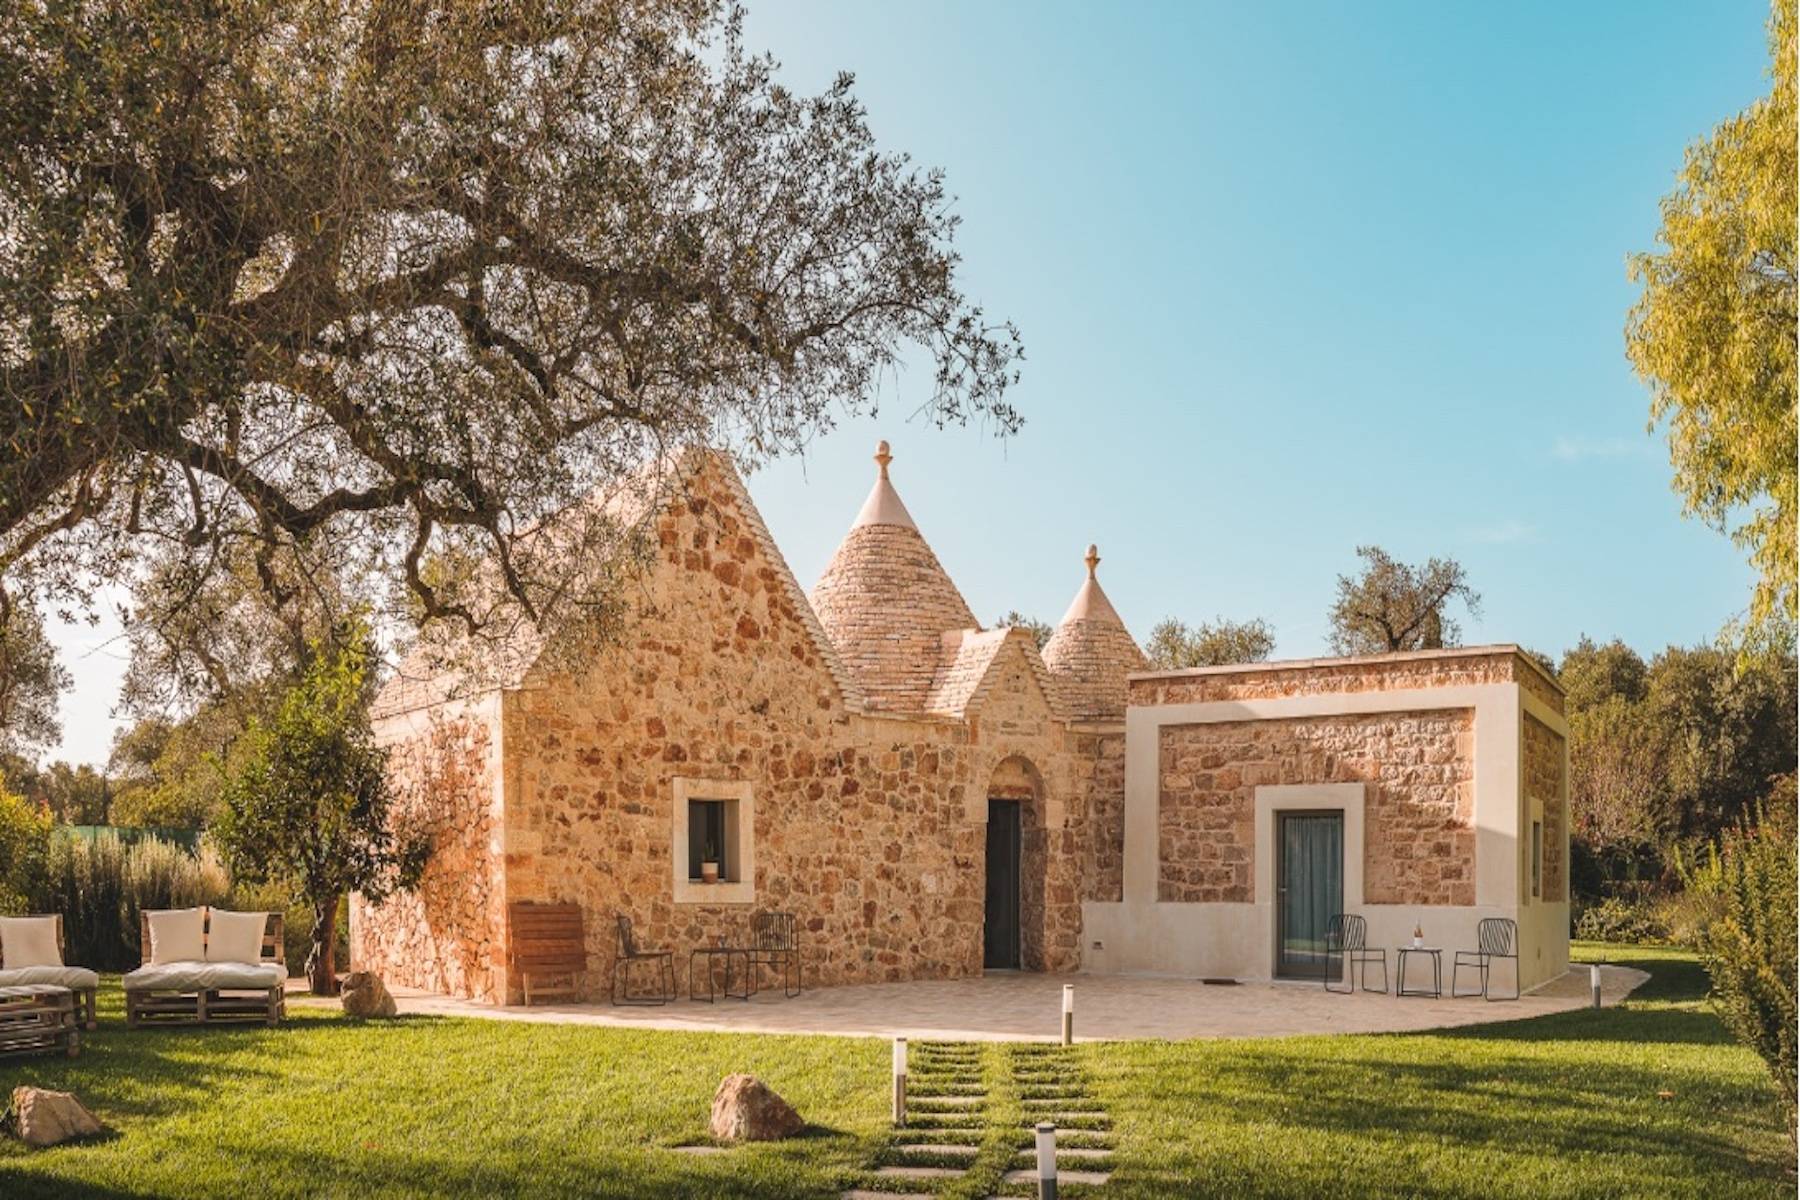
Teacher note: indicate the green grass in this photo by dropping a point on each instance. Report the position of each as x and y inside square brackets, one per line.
[1551, 1107]
[1557, 1106]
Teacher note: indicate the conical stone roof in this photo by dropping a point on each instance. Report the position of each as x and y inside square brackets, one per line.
[1092, 652]
[886, 603]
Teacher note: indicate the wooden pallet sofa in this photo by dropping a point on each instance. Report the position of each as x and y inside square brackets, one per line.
[31, 955]
[207, 965]
[39, 1018]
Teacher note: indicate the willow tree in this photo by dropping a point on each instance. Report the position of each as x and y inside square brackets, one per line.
[1714, 332]
[389, 283]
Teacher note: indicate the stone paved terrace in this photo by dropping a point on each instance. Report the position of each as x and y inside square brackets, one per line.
[1005, 1006]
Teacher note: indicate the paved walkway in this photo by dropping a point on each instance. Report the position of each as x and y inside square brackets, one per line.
[1027, 1007]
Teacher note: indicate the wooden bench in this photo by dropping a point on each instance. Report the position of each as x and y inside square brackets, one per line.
[547, 946]
[195, 1005]
[39, 1018]
[64, 976]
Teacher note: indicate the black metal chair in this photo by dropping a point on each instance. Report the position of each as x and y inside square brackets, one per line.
[627, 952]
[1347, 939]
[775, 943]
[1495, 938]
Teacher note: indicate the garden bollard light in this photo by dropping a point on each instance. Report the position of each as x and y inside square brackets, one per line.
[1594, 981]
[1046, 1160]
[899, 1081]
[1068, 1014]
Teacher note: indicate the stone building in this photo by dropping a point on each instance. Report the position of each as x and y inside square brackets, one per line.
[932, 799]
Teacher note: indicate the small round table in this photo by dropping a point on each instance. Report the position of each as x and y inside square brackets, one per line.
[712, 954]
[1437, 972]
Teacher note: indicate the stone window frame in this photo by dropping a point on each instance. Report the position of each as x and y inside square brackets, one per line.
[693, 891]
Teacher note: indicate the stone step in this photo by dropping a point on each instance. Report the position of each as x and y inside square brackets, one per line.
[945, 1103]
[1090, 1178]
[1081, 1122]
[902, 1172]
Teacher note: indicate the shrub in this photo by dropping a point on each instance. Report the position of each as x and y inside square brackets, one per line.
[1640, 921]
[1750, 947]
[100, 886]
[24, 843]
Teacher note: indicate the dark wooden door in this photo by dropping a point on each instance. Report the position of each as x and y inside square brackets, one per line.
[1000, 942]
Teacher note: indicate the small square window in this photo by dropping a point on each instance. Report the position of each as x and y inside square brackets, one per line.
[709, 838]
[1537, 859]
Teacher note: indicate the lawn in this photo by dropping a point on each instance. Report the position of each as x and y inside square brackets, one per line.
[1557, 1106]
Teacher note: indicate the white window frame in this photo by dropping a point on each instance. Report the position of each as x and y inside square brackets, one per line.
[741, 890]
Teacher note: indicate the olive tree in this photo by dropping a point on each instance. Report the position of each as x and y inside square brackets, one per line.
[379, 284]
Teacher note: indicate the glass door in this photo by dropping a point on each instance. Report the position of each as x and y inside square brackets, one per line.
[1309, 874]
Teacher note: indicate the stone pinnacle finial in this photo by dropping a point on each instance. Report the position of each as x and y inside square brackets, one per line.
[883, 457]
[1092, 560]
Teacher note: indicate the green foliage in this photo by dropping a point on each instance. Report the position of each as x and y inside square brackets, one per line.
[418, 277]
[1667, 753]
[1174, 644]
[1713, 334]
[1040, 630]
[24, 843]
[31, 678]
[1631, 922]
[1391, 606]
[308, 800]
[100, 885]
[1752, 947]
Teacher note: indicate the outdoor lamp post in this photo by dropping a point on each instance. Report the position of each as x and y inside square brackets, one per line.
[1068, 1014]
[1046, 1160]
[1594, 981]
[899, 1081]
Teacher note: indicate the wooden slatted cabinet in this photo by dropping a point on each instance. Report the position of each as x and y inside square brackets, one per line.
[547, 947]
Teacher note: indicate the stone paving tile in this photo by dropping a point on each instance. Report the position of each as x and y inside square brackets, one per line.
[867, 1194]
[1081, 1153]
[901, 1172]
[1062, 1176]
[1009, 1007]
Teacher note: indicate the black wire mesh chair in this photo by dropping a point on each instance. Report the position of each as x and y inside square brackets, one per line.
[775, 943]
[1495, 938]
[1347, 939]
[627, 952]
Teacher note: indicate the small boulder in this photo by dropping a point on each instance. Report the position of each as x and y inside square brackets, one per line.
[43, 1118]
[745, 1109]
[364, 995]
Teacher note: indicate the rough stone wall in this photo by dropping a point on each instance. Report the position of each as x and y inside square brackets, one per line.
[1544, 783]
[1350, 675]
[868, 828]
[1418, 768]
[1100, 763]
[447, 935]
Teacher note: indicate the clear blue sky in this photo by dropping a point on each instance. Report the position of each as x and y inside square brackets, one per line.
[1291, 278]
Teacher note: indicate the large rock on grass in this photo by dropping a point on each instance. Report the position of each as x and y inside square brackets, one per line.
[745, 1109]
[364, 995]
[43, 1118]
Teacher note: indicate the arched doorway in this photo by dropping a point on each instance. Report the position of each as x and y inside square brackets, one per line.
[1012, 931]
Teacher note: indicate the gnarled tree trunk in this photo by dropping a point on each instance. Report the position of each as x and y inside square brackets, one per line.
[321, 964]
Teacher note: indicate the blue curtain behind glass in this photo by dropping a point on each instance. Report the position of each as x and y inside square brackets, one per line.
[1312, 858]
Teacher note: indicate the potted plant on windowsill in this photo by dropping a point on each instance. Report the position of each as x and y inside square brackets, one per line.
[709, 864]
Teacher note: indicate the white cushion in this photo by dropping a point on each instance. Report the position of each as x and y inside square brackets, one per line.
[29, 942]
[74, 978]
[204, 977]
[235, 937]
[177, 935]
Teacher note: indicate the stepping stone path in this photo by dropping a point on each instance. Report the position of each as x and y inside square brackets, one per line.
[972, 1111]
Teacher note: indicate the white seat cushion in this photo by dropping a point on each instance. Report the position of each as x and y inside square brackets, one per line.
[33, 991]
[74, 978]
[197, 976]
[235, 937]
[29, 942]
[177, 935]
